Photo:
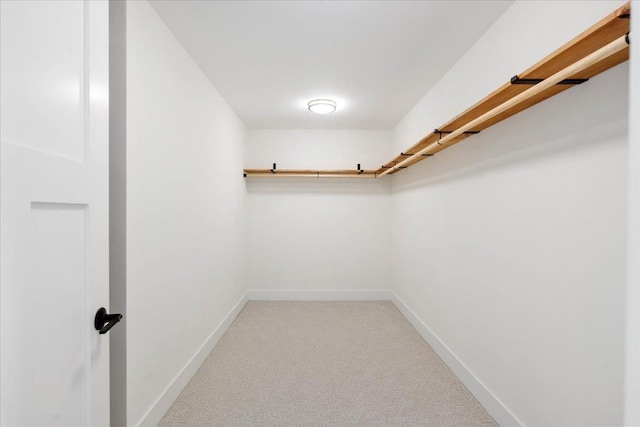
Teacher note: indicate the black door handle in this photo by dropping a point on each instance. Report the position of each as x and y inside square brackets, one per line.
[103, 321]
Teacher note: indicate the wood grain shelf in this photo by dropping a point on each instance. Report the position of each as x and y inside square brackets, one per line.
[594, 49]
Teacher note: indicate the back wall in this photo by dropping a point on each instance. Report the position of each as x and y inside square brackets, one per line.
[318, 233]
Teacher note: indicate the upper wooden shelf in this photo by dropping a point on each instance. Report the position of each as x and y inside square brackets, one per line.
[610, 28]
[602, 34]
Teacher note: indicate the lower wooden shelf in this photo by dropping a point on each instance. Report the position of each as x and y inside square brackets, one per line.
[307, 173]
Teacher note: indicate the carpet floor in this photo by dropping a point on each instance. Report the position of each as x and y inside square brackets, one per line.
[324, 363]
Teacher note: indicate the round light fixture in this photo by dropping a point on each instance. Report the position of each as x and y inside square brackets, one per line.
[322, 106]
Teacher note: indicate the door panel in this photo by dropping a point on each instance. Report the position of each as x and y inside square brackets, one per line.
[54, 367]
[51, 39]
[58, 234]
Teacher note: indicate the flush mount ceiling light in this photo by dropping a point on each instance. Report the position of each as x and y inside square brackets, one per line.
[322, 106]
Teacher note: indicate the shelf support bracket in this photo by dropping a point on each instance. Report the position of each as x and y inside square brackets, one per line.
[409, 155]
[442, 132]
[515, 80]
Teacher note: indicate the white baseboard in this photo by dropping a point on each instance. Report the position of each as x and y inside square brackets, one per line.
[171, 393]
[503, 416]
[284, 295]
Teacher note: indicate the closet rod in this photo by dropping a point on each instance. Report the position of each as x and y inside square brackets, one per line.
[600, 54]
[319, 174]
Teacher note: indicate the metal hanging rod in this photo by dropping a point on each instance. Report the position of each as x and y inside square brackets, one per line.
[407, 154]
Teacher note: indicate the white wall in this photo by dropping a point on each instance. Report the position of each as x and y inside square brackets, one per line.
[185, 209]
[318, 234]
[632, 360]
[511, 245]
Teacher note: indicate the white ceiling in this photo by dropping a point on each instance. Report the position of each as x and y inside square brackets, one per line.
[377, 59]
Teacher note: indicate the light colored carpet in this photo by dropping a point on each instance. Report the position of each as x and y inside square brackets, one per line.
[324, 363]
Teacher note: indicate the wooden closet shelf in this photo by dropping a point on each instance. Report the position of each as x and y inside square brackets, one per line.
[308, 173]
[597, 49]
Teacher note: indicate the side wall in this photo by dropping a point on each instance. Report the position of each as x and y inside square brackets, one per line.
[510, 247]
[632, 360]
[318, 234]
[185, 211]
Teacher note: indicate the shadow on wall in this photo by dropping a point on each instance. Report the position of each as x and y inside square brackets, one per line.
[318, 185]
[551, 127]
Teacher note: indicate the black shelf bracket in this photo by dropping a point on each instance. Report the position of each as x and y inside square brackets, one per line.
[442, 132]
[515, 80]
[273, 170]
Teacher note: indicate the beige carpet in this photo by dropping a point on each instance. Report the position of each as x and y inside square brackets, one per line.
[324, 363]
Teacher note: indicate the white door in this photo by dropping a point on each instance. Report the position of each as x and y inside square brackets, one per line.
[54, 366]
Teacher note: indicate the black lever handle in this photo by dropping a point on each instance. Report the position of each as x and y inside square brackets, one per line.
[103, 321]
